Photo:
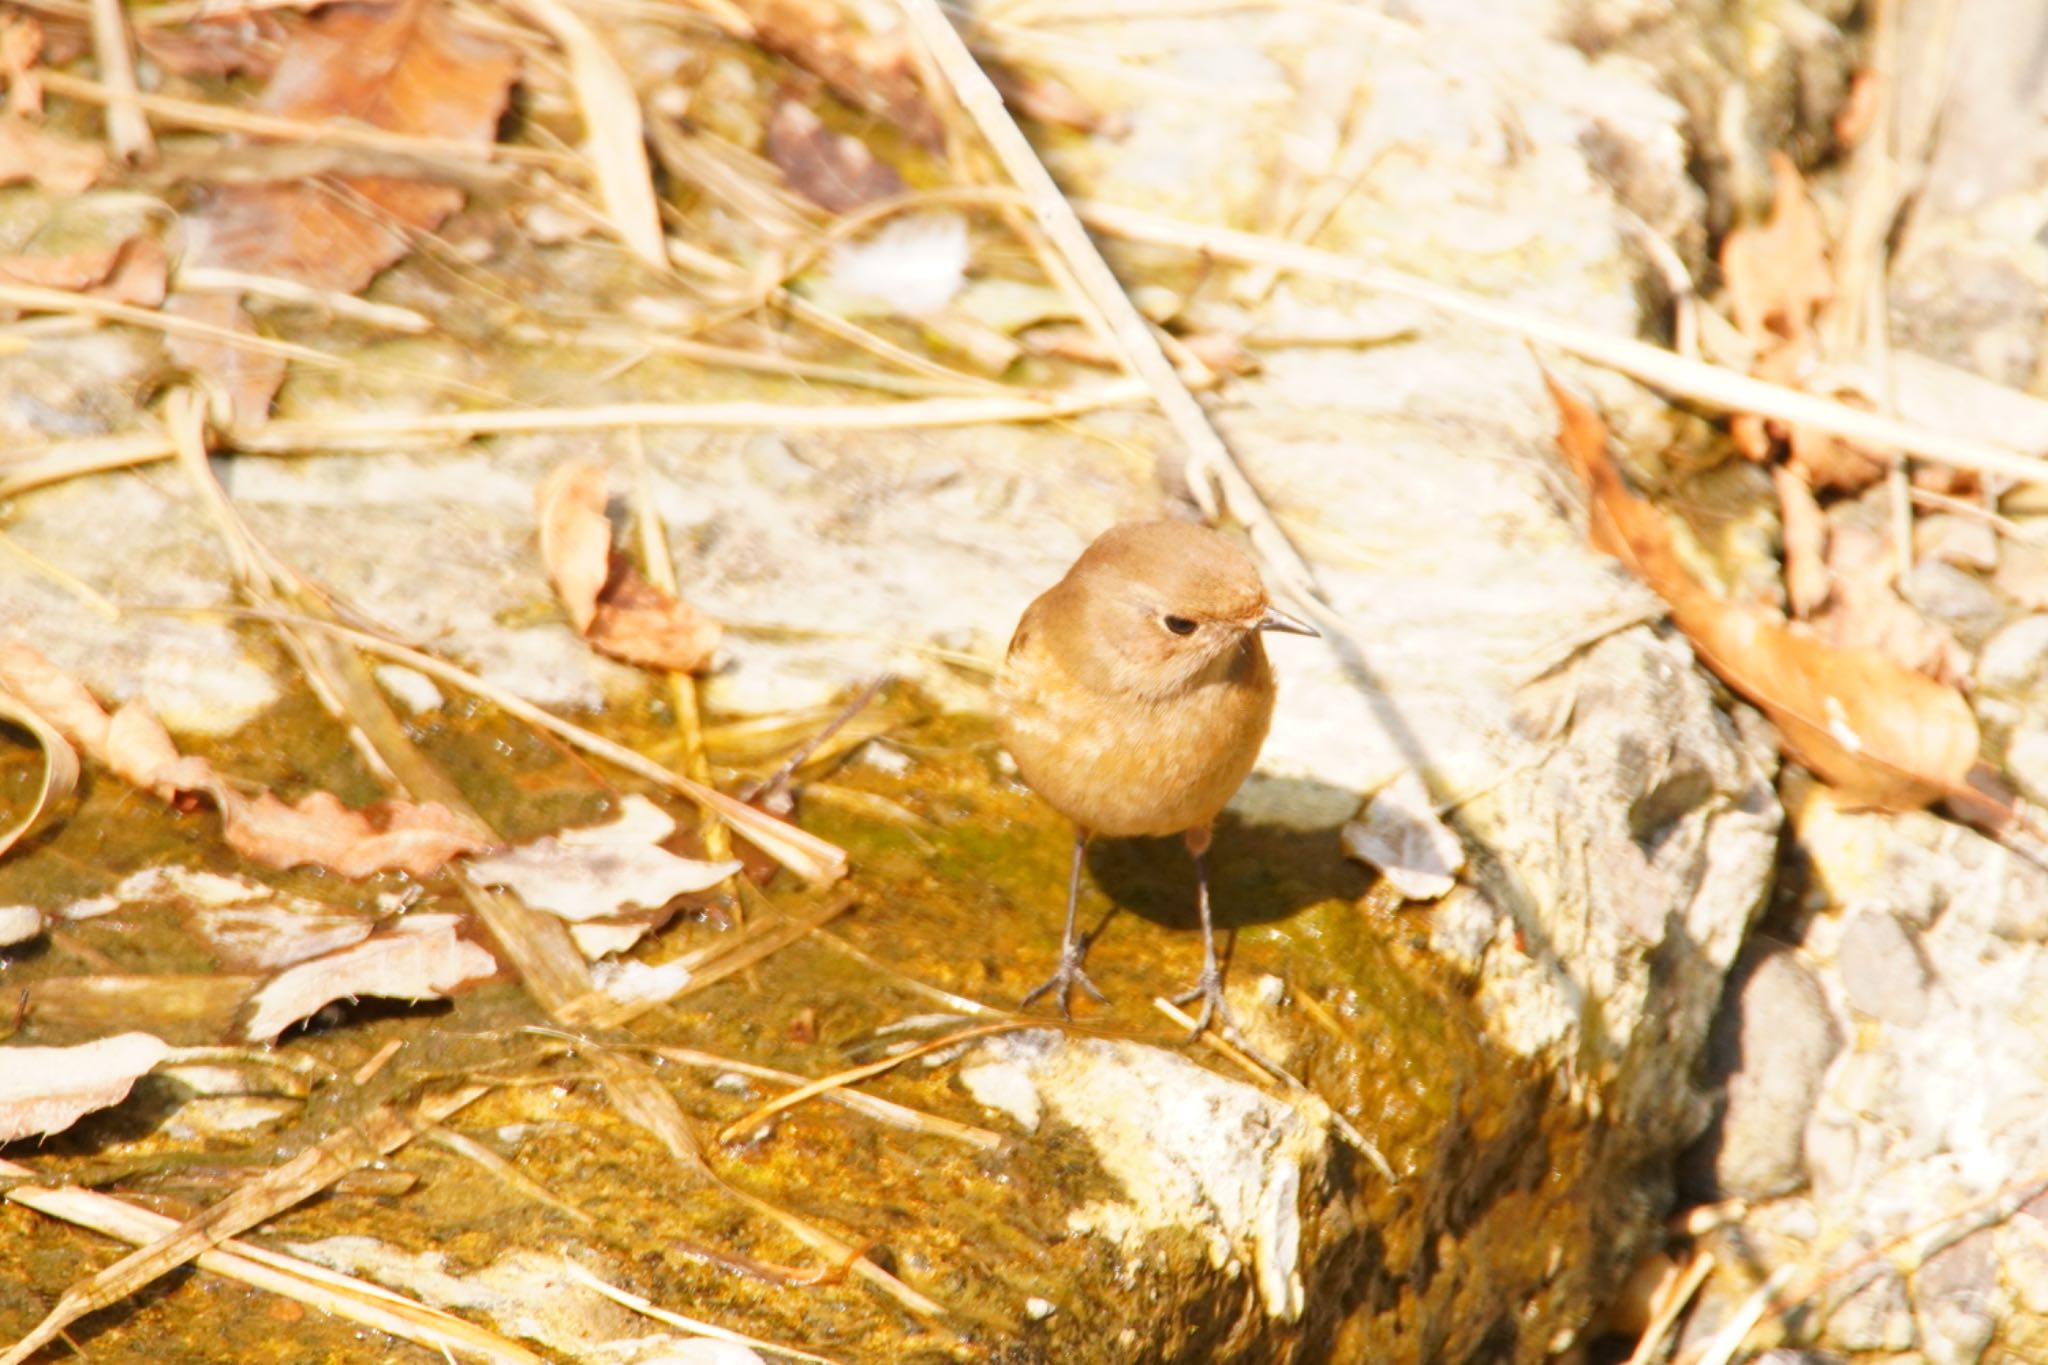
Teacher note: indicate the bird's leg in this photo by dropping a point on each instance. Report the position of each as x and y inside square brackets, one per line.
[1069, 973]
[1210, 987]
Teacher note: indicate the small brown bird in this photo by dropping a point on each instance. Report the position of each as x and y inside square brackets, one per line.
[1135, 696]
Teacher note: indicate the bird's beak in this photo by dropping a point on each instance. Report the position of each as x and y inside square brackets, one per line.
[1276, 619]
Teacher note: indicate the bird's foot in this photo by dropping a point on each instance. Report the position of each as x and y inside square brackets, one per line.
[1209, 990]
[1064, 979]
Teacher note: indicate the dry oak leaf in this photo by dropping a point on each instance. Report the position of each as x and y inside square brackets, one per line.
[319, 829]
[56, 164]
[1778, 274]
[835, 171]
[1880, 734]
[611, 605]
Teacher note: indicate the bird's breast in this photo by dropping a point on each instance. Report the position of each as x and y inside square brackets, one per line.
[1126, 765]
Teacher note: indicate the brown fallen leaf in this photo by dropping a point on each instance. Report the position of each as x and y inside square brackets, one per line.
[870, 70]
[835, 171]
[21, 48]
[1806, 543]
[417, 839]
[1882, 735]
[233, 44]
[619, 612]
[55, 163]
[1778, 279]
[402, 66]
[319, 829]
[1865, 611]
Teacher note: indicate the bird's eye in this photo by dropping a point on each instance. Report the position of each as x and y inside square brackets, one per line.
[1179, 625]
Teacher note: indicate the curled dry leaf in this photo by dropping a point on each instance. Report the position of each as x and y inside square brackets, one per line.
[60, 775]
[421, 959]
[871, 70]
[1399, 833]
[612, 606]
[1880, 734]
[47, 1089]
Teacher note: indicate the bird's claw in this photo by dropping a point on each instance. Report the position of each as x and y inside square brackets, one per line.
[1209, 990]
[1064, 979]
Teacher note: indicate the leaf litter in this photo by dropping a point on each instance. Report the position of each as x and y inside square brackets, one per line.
[1882, 735]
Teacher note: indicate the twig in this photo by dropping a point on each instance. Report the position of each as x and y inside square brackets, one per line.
[712, 1330]
[781, 775]
[56, 463]
[1696, 380]
[1213, 477]
[749, 1122]
[127, 130]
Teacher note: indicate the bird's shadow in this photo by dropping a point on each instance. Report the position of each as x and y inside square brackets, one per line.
[1258, 872]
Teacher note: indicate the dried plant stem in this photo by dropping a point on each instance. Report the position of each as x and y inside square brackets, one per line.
[712, 1330]
[1213, 477]
[213, 118]
[327, 1290]
[881, 1110]
[37, 298]
[837, 1079]
[1696, 380]
[56, 463]
[127, 130]
[372, 1135]
[660, 568]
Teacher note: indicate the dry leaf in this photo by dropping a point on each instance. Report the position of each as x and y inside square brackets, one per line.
[52, 694]
[402, 67]
[575, 537]
[1778, 274]
[1806, 543]
[871, 71]
[319, 829]
[246, 43]
[835, 171]
[421, 959]
[60, 776]
[56, 164]
[21, 47]
[47, 1089]
[418, 839]
[1865, 611]
[601, 870]
[132, 271]
[1879, 733]
[610, 604]
[1400, 834]
[640, 624]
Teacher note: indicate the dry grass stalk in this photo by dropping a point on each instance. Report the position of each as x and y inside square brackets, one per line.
[128, 132]
[214, 119]
[1213, 477]
[1698, 381]
[611, 116]
[838, 1079]
[697, 1325]
[378, 1133]
[1670, 1303]
[639, 1097]
[660, 568]
[197, 279]
[881, 1110]
[39, 299]
[56, 463]
[325, 1290]
[499, 1168]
